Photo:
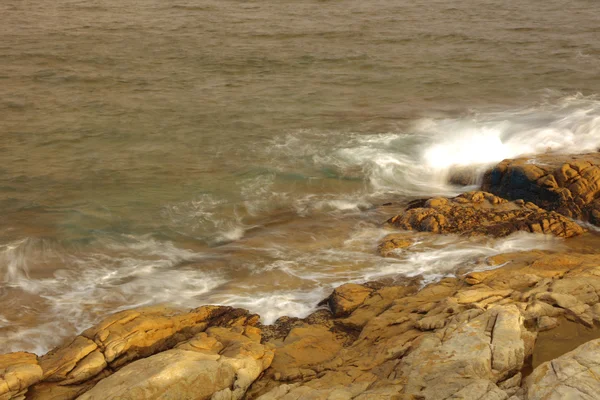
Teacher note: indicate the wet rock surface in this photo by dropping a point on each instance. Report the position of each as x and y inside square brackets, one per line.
[568, 184]
[482, 213]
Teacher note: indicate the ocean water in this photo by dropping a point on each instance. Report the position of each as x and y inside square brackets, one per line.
[238, 152]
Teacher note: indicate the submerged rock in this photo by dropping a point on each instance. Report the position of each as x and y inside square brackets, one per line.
[567, 184]
[482, 213]
[395, 242]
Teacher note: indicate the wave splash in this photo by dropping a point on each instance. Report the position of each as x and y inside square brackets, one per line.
[417, 163]
[310, 172]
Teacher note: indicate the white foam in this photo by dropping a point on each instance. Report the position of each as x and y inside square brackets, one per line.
[273, 305]
[416, 162]
[571, 125]
[449, 253]
[122, 272]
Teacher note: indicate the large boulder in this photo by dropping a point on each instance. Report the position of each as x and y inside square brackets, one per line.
[568, 184]
[481, 213]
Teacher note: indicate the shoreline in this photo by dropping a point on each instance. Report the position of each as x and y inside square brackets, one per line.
[477, 335]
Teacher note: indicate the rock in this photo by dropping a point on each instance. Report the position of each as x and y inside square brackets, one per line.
[76, 361]
[480, 294]
[481, 213]
[464, 176]
[75, 367]
[58, 391]
[18, 371]
[134, 334]
[575, 375]
[347, 298]
[546, 323]
[575, 308]
[394, 242]
[459, 338]
[303, 349]
[508, 347]
[219, 364]
[512, 382]
[568, 184]
[462, 358]
[375, 305]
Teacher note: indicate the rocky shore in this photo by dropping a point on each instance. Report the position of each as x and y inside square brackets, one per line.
[525, 328]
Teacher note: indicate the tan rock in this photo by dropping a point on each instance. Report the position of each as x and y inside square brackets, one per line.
[481, 213]
[575, 375]
[568, 184]
[439, 369]
[188, 374]
[448, 340]
[575, 308]
[477, 295]
[512, 382]
[508, 349]
[58, 391]
[18, 371]
[138, 333]
[58, 363]
[173, 374]
[90, 366]
[375, 304]
[480, 390]
[546, 323]
[302, 350]
[347, 298]
[394, 242]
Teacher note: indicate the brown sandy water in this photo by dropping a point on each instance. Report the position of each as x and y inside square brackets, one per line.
[566, 337]
[237, 152]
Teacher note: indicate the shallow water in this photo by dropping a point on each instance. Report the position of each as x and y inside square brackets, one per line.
[236, 152]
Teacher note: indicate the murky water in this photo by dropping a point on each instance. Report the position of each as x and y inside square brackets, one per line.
[235, 152]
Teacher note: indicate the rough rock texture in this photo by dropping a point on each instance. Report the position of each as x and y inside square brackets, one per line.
[575, 375]
[568, 184]
[75, 367]
[395, 242]
[481, 213]
[348, 298]
[18, 371]
[460, 338]
[220, 363]
[466, 338]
